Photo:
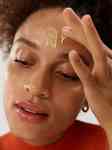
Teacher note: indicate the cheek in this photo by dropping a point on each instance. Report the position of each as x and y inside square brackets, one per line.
[13, 89]
[66, 105]
[68, 99]
[10, 94]
[15, 79]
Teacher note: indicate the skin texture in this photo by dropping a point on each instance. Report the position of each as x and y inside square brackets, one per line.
[44, 74]
[52, 38]
[97, 84]
[88, 58]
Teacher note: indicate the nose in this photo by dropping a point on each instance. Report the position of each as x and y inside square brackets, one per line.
[39, 85]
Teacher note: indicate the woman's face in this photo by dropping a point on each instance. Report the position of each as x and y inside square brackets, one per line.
[45, 83]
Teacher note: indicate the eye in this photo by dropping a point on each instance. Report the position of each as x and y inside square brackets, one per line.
[25, 63]
[69, 77]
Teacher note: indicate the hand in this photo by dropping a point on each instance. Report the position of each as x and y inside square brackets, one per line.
[97, 84]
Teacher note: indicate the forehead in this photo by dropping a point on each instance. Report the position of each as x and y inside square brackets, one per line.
[39, 26]
[44, 19]
[38, 23]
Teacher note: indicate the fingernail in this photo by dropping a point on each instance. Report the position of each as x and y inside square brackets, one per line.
[73, 54]
[87, 19]
[70, 9]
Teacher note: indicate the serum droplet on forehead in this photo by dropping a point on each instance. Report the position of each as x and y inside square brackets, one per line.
[52, 38]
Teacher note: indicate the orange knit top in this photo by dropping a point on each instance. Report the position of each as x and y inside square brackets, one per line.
[80, 136]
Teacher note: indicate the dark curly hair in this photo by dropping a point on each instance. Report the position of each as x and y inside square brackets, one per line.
[14, 12]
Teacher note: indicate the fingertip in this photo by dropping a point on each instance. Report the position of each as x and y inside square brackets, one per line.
[67, 11]
[86, 19]
[73, 55]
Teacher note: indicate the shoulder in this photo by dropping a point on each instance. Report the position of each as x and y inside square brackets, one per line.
[91, 134]
[89, 128]
[4, 139]
[4, 136]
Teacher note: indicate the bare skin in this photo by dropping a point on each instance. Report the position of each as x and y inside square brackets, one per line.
[48, 70]
[46, 74]
[97, 84]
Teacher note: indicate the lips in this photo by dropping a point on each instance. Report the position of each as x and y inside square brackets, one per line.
[30, 108]
[29, 112]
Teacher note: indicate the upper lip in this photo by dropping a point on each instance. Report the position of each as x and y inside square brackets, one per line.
[35, 108]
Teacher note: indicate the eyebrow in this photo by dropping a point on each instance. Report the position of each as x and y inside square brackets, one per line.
[36, 46]
[27, 42]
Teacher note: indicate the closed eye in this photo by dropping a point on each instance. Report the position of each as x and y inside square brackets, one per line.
[21, 62]
[70, 77]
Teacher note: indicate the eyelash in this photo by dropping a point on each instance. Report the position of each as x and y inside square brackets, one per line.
[25, 63]
[68, 77]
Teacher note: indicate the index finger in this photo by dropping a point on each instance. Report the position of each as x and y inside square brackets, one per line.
[74, 21]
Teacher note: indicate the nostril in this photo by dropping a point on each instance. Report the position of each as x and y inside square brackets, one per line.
[44, 95]
[26, 87]
[40, 93]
